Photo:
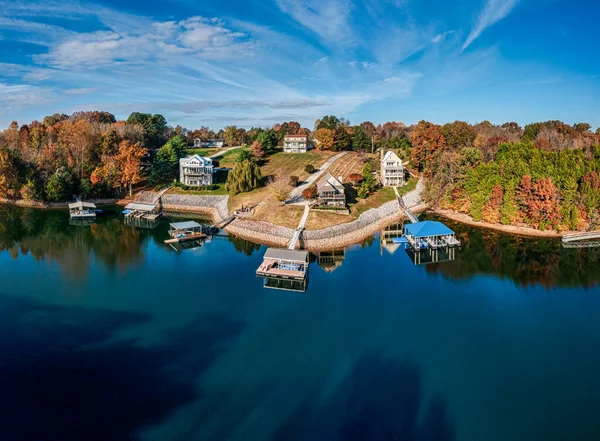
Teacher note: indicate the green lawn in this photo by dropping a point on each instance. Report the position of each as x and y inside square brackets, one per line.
[219, 191]
[228, 158]
[410, 186]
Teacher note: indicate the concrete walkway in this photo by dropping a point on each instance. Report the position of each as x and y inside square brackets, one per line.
[296, 194]
[222, 152]
[298, 231]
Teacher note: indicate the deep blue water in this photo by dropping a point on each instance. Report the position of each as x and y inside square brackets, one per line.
[107, 334]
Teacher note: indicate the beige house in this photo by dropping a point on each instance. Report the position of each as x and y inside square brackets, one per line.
[295, 144]
[393, 173]
[331, 192]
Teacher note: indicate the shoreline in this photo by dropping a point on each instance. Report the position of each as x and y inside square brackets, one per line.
[269, 234]
[57, 205]
[515, 230]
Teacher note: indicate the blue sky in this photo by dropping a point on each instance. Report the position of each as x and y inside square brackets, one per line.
[256, 62]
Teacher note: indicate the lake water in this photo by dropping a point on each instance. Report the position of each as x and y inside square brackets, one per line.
[108, 334]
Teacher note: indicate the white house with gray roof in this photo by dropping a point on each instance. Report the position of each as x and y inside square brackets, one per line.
[196, 171]
[393, 173]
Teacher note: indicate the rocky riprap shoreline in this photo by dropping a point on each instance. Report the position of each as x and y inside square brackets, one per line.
[270, 234]
[216, 206]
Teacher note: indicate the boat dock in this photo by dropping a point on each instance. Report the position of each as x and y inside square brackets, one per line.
[281, 263]
[82, 210]
[426, 235]
[188, 234]
[144, 215]
[581, 240]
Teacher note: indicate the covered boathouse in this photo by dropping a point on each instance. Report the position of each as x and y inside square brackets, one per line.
[428, 235]
[142, 215]
[82, 210]
[284, 269]
[284, 263]
[188, 234]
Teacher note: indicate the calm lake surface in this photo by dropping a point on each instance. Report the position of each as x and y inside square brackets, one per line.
[108, 334]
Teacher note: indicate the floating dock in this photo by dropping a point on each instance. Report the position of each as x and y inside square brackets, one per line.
[428, 235]
[142, 215]
[189, 234]
[280, 263]
[587, 239]
[82, 210]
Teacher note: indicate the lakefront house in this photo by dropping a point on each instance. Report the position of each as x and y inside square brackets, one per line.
[196, 171]
[209, 143]
[393, 173]
[295, 144]
[331, 192]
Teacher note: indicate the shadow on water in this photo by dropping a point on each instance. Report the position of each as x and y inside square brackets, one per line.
[380, 400]
[62, 376]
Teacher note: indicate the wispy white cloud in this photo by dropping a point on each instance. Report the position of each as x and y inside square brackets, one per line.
[493, 11]
[329, 19]
[197, 36]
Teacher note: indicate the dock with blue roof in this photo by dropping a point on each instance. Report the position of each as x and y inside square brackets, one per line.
[425, 235]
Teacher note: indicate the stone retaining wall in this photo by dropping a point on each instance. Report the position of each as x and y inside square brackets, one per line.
[215, 206]
[261, 232]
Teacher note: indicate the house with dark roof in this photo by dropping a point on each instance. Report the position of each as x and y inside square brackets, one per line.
[331, 192]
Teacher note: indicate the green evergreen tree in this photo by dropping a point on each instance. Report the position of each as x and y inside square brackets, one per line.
[268, 140]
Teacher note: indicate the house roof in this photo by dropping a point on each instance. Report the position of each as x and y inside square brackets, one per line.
[185, 225]
[285, 254]
[328, 182]
[427, 229]
[296, 136]
[391, 156]
[201, 159]
[81, 205]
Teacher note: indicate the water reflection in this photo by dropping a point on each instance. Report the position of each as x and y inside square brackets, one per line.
[525, 261]
[329, 261]
[46, 235]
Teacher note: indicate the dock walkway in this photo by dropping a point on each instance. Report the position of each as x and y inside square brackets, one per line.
[299, 229]
[409, 214]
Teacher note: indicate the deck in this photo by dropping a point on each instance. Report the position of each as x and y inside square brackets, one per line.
[269, 269]
[588, 239]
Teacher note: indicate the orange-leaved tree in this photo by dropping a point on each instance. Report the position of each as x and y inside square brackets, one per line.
[129, 160]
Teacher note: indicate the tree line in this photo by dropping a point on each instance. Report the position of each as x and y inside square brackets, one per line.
[546, 174]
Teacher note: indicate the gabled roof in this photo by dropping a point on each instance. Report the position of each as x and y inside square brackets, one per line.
[81, 205]
[296, 136]
[140, 206]
[427, 229]
[328, 182]
[391, 156]
[202, 159]
[185, 225]
[285, 254]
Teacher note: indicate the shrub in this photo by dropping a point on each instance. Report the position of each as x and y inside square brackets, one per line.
[309, 168]
[310, 193]
[294, 180]
[355, 178]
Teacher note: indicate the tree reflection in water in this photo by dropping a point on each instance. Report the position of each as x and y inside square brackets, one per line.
[47, 235]
[525, 261]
